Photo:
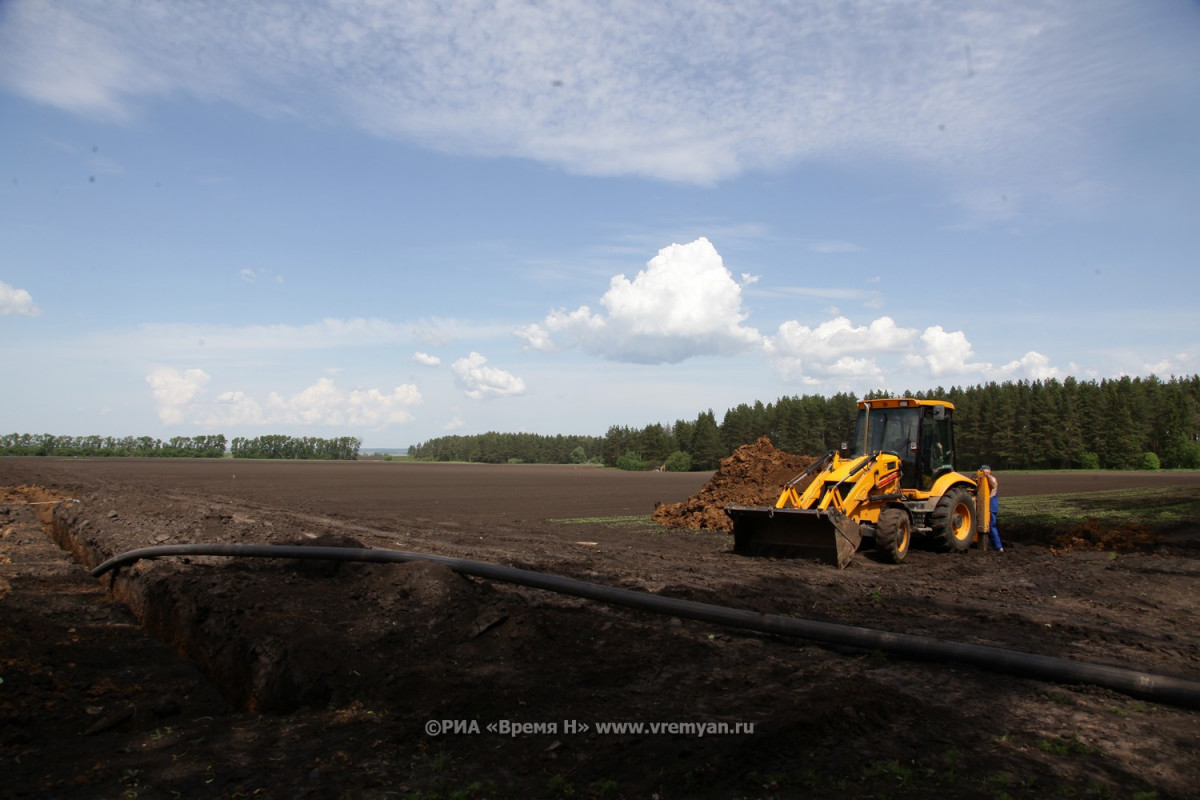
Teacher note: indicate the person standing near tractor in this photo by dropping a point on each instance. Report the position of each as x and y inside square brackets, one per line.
[993, 508]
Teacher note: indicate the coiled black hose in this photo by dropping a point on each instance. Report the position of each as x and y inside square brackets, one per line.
[1157, 688]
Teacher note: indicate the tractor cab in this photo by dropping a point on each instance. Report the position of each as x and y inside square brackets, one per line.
[920, 435]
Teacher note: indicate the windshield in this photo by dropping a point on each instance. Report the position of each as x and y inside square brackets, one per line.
[892, 430]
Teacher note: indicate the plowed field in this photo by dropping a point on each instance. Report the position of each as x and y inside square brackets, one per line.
[281, 678]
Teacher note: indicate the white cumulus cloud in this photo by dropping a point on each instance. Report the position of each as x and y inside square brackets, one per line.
[1032, 365]
[16, 301]
[950, 354]
[426, 360]
[174, 391]
[235, 408]
[836, 348]
[479, 381]
[684, 304]
[947, 353]
[839, 354]
[839, 336]
[538, 338]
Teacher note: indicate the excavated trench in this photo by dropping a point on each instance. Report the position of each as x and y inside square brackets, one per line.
[168, 608]
[264, 637]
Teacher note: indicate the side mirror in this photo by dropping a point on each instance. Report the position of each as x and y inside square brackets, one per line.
[939, 412]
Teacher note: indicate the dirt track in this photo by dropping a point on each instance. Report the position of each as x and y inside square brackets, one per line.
[321, 680]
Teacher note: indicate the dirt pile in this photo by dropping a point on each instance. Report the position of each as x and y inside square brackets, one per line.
[1091, 535]
[753, 475]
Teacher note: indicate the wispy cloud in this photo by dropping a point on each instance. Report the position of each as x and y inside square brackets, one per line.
[826, 292]
[834, 247]
[181, 397]
[164, 342]
[253, 276]
[989, 95]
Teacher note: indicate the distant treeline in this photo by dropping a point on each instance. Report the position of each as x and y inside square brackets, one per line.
[208, 446]
[1125, 423]
[510, 448]
[344, 448]
[44, 444]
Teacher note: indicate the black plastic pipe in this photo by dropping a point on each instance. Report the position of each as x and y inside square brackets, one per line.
[1157, 688]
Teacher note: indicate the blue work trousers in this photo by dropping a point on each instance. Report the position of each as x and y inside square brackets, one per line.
[993, 532]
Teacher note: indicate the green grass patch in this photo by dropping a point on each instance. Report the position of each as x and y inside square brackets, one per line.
[1158, 508]
[636, 522]
[1066, 747]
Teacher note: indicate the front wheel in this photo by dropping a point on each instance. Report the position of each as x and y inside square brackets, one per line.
[953, 521]
[893, 533]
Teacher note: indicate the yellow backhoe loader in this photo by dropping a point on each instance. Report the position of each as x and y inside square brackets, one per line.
[896, 480]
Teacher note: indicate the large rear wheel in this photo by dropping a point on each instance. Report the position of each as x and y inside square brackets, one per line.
[893, 533]
[953, 521]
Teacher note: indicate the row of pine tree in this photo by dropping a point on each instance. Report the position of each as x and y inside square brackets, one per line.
[1124, 423]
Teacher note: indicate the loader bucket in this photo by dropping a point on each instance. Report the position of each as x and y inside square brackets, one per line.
[826, 535]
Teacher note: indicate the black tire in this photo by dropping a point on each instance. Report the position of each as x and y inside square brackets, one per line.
[893, 534]
[953, 521]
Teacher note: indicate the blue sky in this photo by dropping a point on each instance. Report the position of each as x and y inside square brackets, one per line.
[401, 221]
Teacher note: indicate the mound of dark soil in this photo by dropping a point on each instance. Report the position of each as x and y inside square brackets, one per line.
[753, 475]
[1092, 535]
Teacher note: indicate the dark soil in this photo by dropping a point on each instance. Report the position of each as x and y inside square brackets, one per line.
[753, 475]
[283, 678]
